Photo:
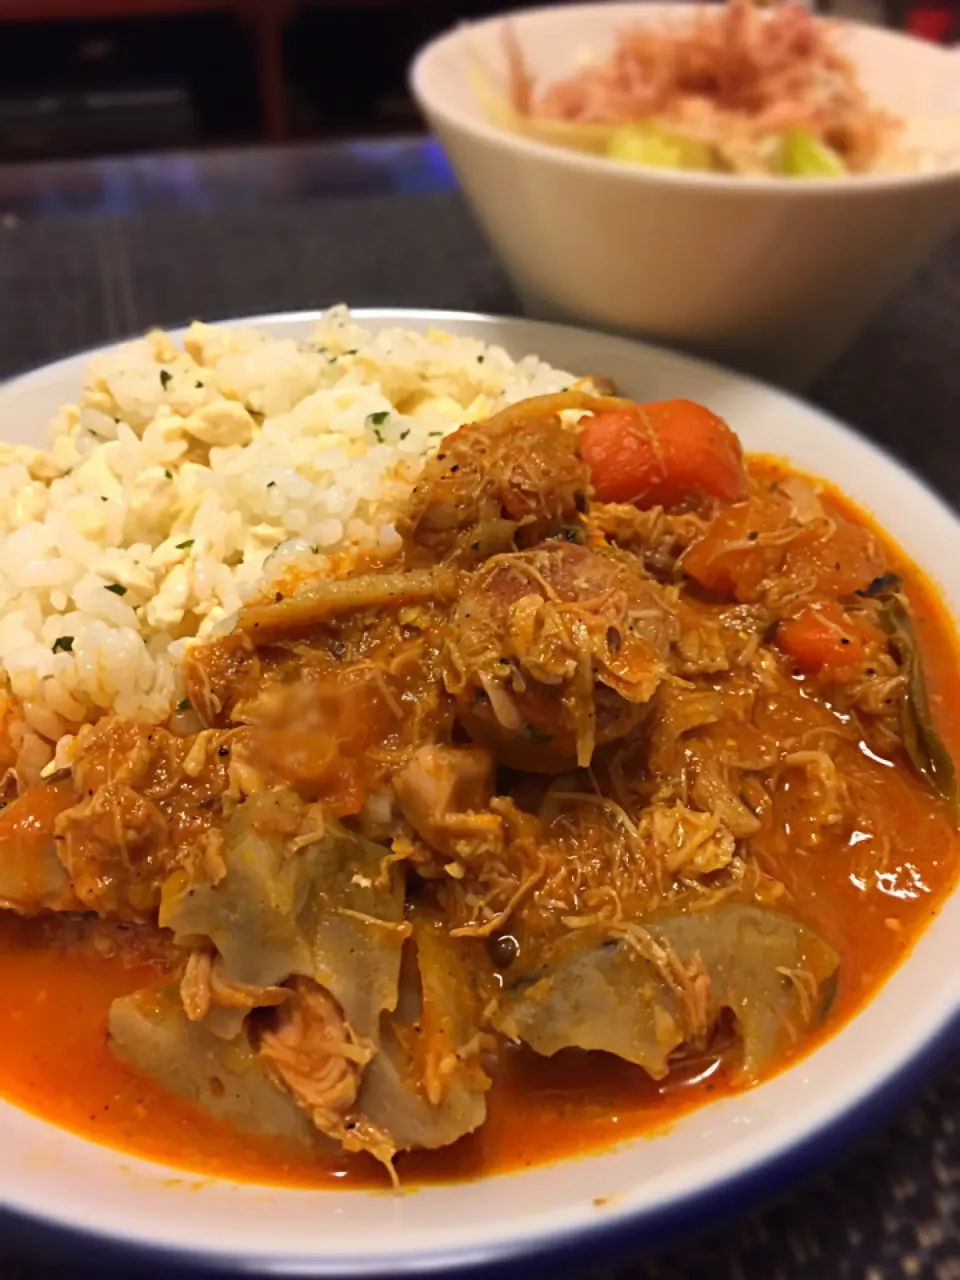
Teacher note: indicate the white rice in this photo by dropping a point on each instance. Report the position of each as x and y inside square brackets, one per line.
[179, 475]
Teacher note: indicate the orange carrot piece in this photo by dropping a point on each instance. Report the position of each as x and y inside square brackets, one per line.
[663, 454]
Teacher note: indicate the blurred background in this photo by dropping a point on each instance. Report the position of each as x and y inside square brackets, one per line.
[108, 77]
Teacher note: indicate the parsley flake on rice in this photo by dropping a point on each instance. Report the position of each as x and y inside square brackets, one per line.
[185, 481]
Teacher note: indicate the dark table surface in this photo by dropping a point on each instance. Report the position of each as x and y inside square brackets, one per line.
[94, 251]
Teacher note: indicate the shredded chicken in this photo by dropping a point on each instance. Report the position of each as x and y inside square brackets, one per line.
[689, 983]
[806, 987]
[715, 791]
[694, 844]
[661, 537]
[205, 985]
[825, 787]
[310, 1050]
[115, 848]
[195, 985]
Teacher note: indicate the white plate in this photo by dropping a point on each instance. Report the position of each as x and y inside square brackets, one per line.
[724, 1155]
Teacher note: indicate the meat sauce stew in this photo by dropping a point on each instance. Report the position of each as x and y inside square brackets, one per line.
[624, 783]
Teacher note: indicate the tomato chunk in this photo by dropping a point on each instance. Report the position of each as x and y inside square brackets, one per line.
[823, 637]
[663, 454]
[734, 556]
[750, 544]
[820, 636]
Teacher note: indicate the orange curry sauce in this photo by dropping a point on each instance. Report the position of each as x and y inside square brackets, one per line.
[55, 1062]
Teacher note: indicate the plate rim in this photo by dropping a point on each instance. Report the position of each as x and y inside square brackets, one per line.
[634, 1226]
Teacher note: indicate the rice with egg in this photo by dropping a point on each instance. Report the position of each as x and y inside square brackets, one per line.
[185, 480]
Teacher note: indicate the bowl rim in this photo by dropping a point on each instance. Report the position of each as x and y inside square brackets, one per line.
[760, 1174]
[719, 184]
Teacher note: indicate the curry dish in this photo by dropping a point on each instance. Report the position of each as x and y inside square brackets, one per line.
[622, 783]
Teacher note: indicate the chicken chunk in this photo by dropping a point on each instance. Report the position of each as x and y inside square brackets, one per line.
[116, 851]
[148, 801]
[444, 793]
[183, 776]
[512, 480]
[308, 1049]
[555, 651]
[137, 802]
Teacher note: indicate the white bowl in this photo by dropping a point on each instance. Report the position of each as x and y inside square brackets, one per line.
[728, 1154]
[771, 275]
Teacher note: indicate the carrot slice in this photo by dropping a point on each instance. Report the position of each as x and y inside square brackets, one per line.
[663, 454]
